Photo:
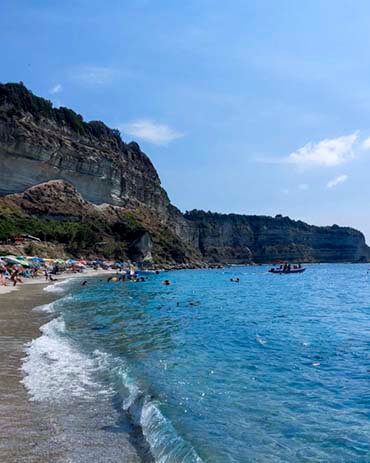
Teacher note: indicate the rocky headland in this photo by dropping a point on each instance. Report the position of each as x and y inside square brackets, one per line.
[83, 191]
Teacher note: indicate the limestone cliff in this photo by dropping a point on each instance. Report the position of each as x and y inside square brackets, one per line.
[238, 238]
[80, 185]
[39, 143]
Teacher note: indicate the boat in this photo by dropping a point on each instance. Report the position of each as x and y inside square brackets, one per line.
[286, 271]
[285, 268]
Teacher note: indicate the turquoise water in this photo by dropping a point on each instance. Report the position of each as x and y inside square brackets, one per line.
[272, 369]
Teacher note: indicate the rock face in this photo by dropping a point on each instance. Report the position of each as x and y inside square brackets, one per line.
[238, 238]
[141, 248]
[55, 212]
[39, 143]
[56, 167]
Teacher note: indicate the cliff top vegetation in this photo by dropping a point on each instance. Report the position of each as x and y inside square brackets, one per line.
[16, 98]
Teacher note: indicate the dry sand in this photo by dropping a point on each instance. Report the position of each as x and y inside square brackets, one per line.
[41, 280]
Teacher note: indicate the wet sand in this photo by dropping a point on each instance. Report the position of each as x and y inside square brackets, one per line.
[35, 432]
[19, 430]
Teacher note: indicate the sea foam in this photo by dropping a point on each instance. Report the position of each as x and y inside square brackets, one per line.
[55, 369]
[58, 287]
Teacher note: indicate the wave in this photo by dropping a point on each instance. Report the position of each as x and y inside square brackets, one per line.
[165, 444]
[48, 308]
[55, 369]
[57, 287]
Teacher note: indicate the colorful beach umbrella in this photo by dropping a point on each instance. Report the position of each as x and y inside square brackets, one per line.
[11, 260]
[23, 262]
[36, 259]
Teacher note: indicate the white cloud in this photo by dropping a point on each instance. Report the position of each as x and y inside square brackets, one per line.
[56, 89]
[326, 153]
[94, 75]
[366, 144]
[159, 134]
[303, 186]
[337, 181]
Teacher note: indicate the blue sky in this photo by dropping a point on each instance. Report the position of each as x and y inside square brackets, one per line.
[256, 107]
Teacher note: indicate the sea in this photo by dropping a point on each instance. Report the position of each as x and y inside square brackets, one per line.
[275, 368]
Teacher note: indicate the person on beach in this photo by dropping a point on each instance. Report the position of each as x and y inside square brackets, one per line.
[15, 278]
[2, 275]
[46, 273]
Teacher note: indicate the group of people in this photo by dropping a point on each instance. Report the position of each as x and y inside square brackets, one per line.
[288, 267]
[10, 272]
[13, 273]
[134, 277]
[126, 276]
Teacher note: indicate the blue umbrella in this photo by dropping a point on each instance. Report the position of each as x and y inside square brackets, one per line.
[37, 259]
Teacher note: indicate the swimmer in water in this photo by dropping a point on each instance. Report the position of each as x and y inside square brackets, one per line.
[166, 282]
[84, 283]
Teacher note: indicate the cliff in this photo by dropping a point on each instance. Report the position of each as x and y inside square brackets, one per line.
[236, 238]
[79, 185]
[39, 143]
[55, 212]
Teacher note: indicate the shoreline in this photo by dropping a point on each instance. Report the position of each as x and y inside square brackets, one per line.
[19, 324]
[41, 280]
[25, 426]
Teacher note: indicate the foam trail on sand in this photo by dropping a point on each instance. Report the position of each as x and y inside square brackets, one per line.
[55, 369]
[48, 308]
[59, 287]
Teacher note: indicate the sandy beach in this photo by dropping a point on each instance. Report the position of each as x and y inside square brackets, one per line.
[19, 427]
[30, 431]
[41, 280]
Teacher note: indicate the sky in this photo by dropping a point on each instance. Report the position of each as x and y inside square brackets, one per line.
[255, 107]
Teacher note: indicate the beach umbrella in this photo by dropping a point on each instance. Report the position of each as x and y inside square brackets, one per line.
[23, 262]
[36, 259]
[11, 260]
[79, 265]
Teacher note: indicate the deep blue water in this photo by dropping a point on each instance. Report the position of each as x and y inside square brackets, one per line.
[271, 369]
